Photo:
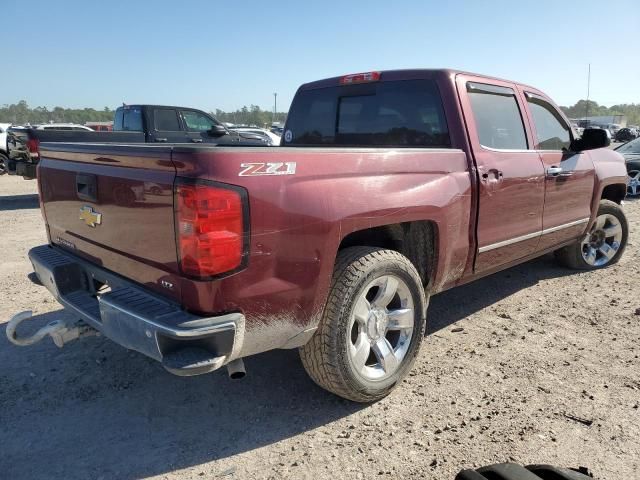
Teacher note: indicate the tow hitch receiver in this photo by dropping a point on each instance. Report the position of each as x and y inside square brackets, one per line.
[60, 331]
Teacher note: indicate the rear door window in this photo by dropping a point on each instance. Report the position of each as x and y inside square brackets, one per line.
[166, 120]
[497, 116]
[405, 113]
[552, 133]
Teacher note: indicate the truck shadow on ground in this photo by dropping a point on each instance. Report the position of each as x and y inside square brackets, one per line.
[19, 202]
[460, 302]
[94, 409]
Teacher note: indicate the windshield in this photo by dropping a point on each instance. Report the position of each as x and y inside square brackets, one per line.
[395, 114]
[631, 147]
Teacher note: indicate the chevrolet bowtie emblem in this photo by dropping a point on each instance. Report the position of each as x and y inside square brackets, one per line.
[90, 216]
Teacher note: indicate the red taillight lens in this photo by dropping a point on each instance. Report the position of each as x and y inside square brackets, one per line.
[210, 229]
[360, 78]
[33, 145]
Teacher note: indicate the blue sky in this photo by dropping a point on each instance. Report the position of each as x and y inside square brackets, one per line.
[213, 54]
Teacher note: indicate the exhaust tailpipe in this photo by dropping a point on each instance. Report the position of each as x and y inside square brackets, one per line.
[236, 369]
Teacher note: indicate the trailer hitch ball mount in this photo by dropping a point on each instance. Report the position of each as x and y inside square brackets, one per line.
[60, 331]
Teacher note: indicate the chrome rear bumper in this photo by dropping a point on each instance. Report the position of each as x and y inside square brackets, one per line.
[184, 343]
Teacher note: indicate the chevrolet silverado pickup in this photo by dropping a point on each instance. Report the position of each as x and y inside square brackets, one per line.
[131, 124]
[389, 187]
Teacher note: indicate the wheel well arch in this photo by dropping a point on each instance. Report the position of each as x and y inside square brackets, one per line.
[615, 192]
[416, 240]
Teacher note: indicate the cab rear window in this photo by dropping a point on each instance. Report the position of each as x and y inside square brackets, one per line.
[406, 113]
[128, 118]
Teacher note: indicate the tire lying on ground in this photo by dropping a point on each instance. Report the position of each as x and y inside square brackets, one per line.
[512, 471]
[603, 245]
[372, 326]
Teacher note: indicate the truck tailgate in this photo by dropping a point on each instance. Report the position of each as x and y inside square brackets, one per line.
[113, 205]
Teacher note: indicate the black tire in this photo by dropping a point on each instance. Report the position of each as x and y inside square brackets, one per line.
[572, 256]
[3, 163]
[326, 356]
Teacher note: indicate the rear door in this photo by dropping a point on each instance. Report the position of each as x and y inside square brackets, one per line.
[511, 192]
[569, 176]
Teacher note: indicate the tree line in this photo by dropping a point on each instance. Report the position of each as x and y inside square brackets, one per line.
[592, 109]
[20, 113]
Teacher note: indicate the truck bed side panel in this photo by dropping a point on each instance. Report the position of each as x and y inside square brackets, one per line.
[298, 222]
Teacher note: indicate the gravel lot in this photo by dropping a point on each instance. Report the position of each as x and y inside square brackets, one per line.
[534, 364]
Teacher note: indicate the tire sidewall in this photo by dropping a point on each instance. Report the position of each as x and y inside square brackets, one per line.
[405, 271]
[611, 208]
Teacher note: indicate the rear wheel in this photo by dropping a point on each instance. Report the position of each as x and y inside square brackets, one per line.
[3, 163]
[372, 326]
[603, 245]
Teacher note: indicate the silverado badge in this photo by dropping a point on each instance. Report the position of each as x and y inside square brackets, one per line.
[90, 216]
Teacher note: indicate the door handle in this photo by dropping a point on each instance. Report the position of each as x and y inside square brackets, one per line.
[87, 187]
[161, 139]
[492, 176]
[557, 172]
[196, 140]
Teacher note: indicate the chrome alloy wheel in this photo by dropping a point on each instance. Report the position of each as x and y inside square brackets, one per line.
[381, 327]
[602, 243]
[633, 183]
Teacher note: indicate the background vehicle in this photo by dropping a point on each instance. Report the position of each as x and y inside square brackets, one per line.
[63, 126]
[100, 126]
[3, 147]
[389, 187]
[631, 153]
[269, 137]
[132, 124]
[625, 135]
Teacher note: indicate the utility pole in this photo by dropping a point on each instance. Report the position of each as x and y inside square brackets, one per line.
[275, 106]
[588, 89]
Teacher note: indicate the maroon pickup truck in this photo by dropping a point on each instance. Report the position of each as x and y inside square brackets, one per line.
[389, 187]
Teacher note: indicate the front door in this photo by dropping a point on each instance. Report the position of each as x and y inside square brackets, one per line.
[197, 125]
[569, 176]
[511, 175]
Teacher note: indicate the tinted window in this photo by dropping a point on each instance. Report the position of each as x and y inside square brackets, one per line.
[551, 131]
[128, 118]
[497, 117]
[197, 122]
[395, 114]
[117, 119]
[166, 120]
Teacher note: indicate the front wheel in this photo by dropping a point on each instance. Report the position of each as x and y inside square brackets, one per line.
[603, 245]
[372, 326]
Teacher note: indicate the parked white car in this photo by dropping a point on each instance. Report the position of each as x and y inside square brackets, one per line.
[62, 126]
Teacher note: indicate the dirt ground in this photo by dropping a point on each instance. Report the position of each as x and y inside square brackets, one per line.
[544, 370]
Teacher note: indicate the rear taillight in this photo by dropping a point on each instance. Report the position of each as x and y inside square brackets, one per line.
[33, 145]
[360, 78]
[211, 224]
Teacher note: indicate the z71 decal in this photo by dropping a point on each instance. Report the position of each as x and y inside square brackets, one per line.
[277, 168]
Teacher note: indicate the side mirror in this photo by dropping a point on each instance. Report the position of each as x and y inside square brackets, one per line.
[217, 131]
[592, 138]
